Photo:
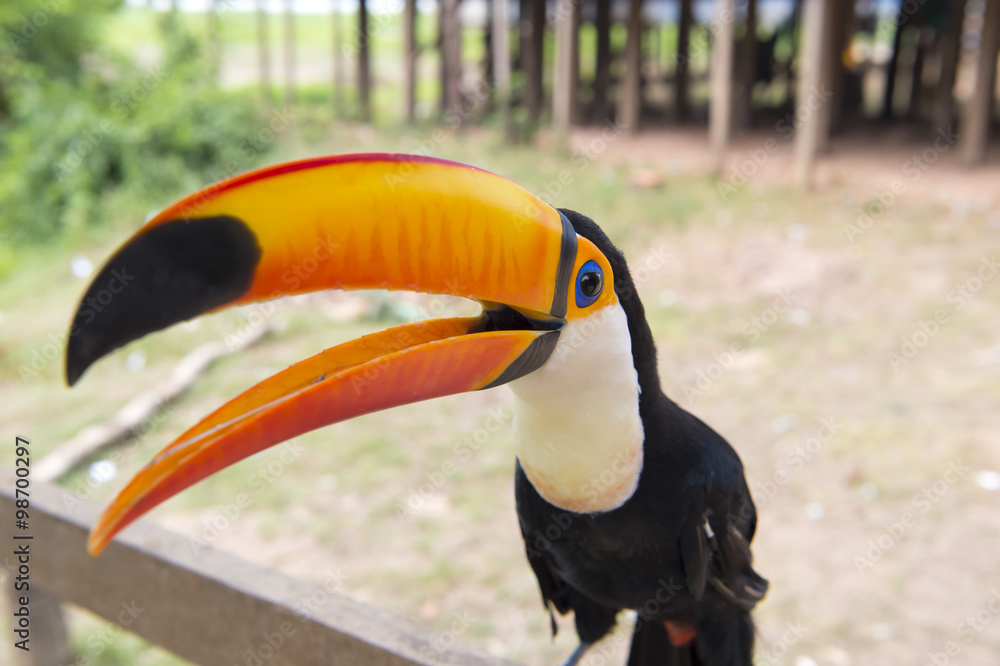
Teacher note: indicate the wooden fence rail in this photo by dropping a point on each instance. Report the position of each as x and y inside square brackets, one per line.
[209, 607]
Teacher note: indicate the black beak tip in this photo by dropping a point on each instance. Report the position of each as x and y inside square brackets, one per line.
[170, 273]
[73, 371]
[76, 363]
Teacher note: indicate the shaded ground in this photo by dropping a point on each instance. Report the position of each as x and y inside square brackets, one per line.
[878, 536]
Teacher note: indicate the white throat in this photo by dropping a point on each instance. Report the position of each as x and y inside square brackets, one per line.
[577, 430]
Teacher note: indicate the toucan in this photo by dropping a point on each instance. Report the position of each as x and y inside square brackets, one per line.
[625, 500]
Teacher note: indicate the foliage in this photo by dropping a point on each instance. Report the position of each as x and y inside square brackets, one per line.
[77, 123]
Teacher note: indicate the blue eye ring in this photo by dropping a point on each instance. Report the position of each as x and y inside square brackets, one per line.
[589, 284]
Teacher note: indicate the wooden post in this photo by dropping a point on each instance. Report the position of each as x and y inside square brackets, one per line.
[975, 129]
[683, 72]
[488, 43]
[263, 56]
[843, 30]
[721, 105]
[451, 56]
[829, 66]
[743, 109]
[913, 103]
[602, 64]
[574, 81]
[532, 55]
[410, 59]
[944, 107]
[501, 60]
[566, 69]
[364, 63]
[631, 95]
[890, 72]
[289, 53]
[808, 97]
[49, 640]
[338, 60]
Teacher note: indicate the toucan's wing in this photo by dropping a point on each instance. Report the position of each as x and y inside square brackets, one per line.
[593, 619]
[715, 552]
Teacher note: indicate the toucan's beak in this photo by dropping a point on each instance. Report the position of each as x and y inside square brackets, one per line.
[374, 221]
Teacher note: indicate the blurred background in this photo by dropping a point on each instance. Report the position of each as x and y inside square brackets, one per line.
[808, 197]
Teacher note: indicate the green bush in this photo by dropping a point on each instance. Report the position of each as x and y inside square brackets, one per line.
[75, 130]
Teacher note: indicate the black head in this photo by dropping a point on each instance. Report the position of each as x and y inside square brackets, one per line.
[643, 347]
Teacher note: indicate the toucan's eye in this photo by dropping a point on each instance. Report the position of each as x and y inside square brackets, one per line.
[589, 283]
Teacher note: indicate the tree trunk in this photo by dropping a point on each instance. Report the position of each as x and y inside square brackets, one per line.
[501, 61]
[338, 60]
[743, 110]
[602, 65]
[721, 106]
[944, 111]
[890, 72]
[631, 95]
[488, 43]
[289, 54]
[532, 55]
[451, 56]
[682, 74]
[410, 59]
[566, 71]
[263, 56]
[809, 134]
[913, 104]
[975, 130]
[364, 64]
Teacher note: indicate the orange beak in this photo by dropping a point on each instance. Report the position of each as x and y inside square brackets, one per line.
[373, 221]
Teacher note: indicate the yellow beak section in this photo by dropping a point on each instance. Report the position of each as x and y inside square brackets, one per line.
[378, 221]
[369, 221]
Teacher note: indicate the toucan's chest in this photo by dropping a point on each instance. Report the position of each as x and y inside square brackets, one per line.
[577, 429]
